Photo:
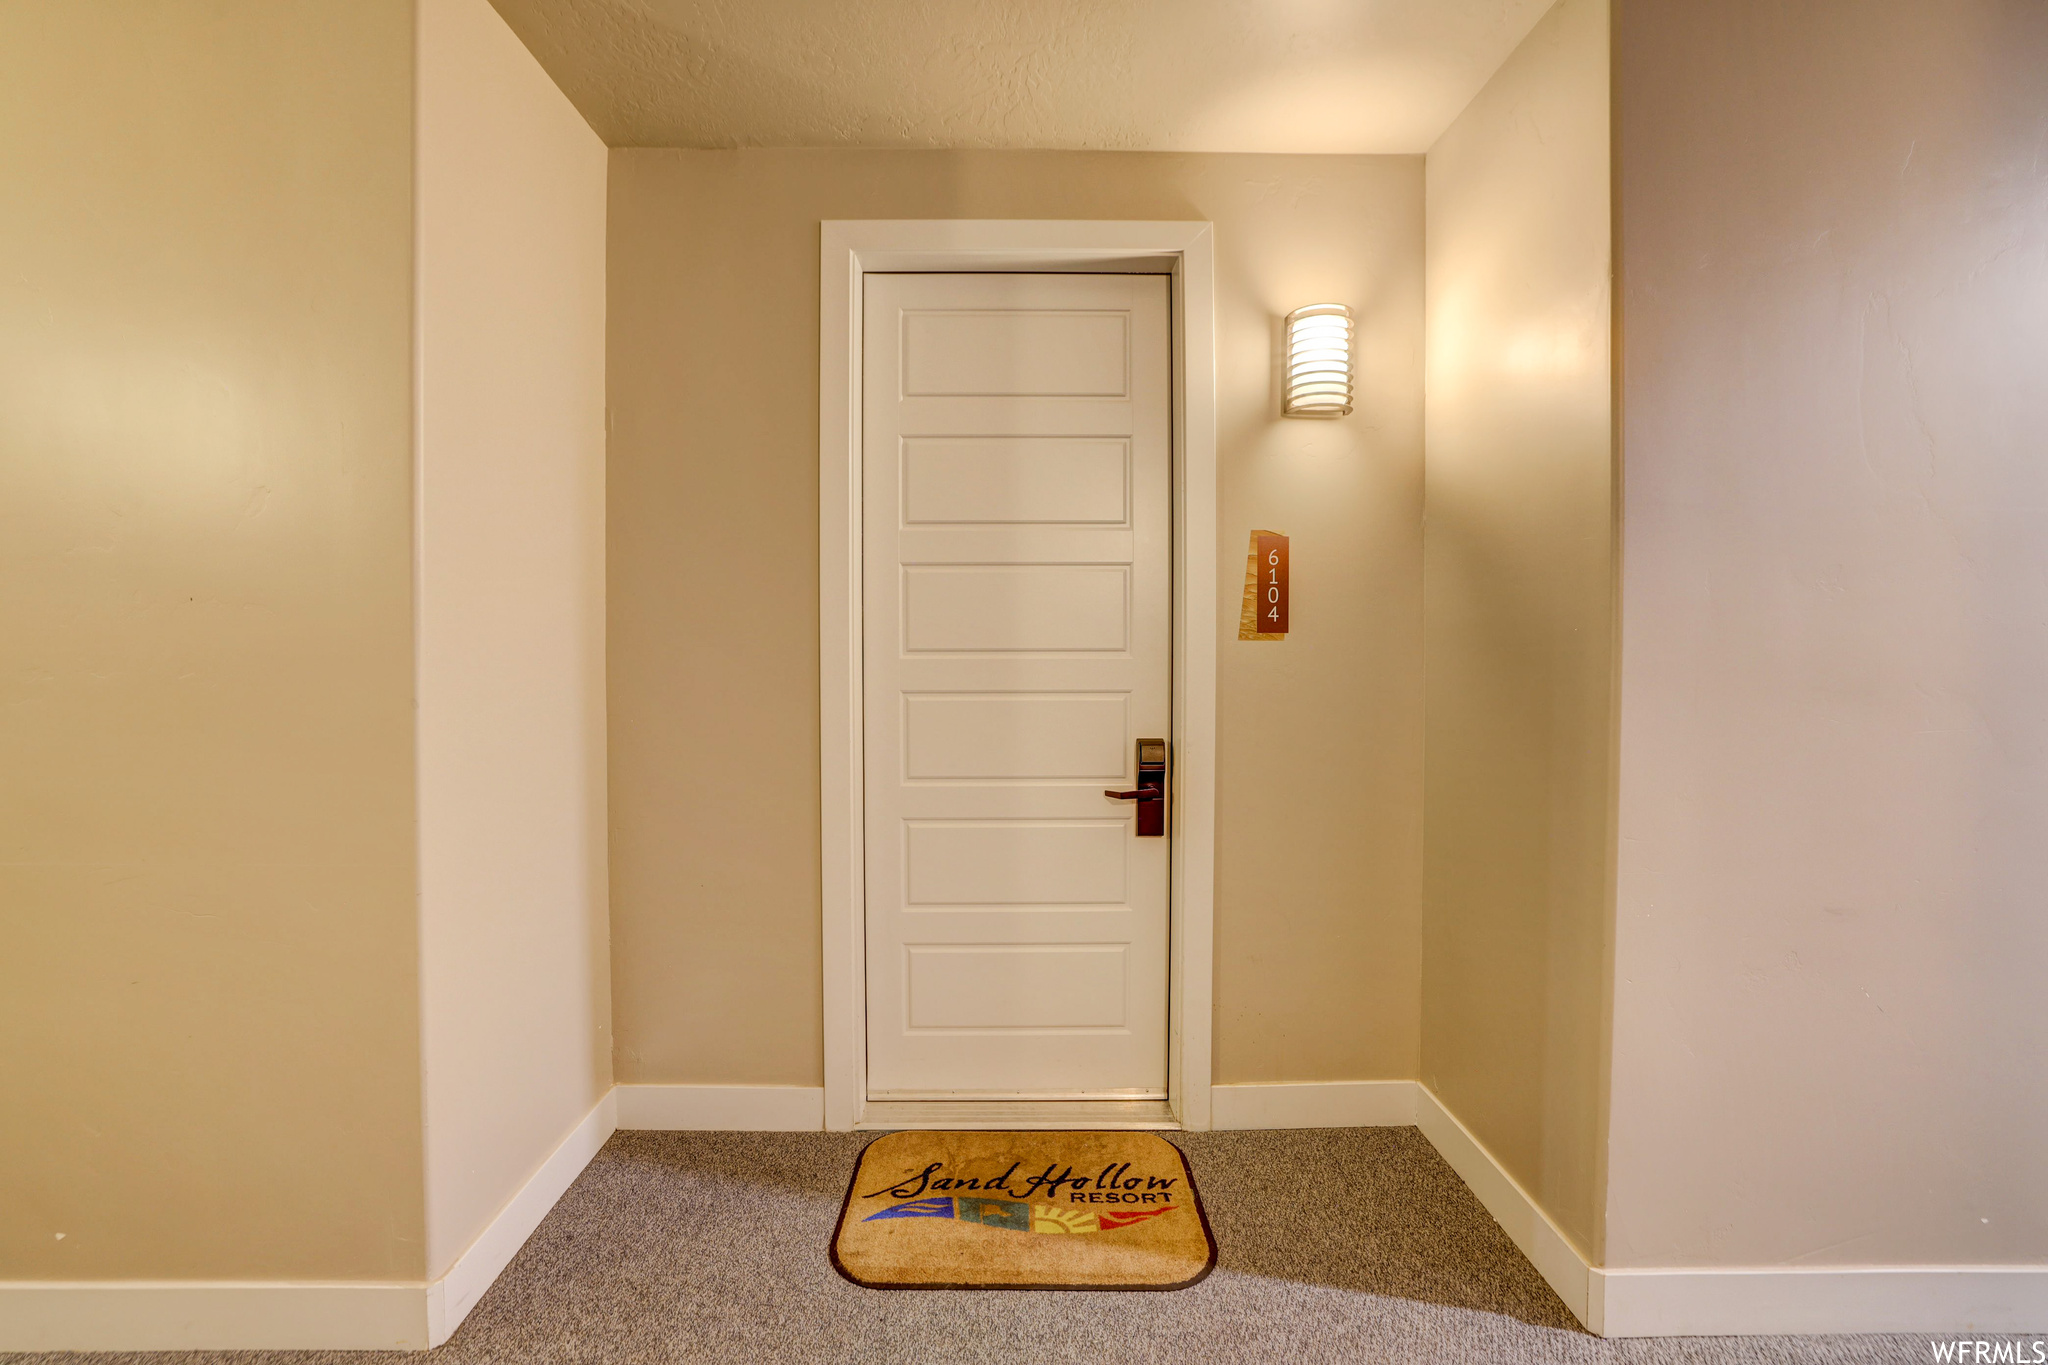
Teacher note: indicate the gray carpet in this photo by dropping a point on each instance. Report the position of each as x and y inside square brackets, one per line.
[1354, 1244]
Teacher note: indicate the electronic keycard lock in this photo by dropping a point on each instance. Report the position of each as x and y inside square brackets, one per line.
[1150, 793]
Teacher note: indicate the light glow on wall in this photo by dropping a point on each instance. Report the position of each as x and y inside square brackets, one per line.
[1318, 362]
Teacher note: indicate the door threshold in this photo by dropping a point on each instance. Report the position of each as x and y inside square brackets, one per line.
[1028, 1115]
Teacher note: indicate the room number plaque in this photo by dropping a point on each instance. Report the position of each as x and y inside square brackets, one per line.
[1265, 589]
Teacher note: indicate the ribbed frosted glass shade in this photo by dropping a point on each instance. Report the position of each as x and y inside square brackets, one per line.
[1318, 362]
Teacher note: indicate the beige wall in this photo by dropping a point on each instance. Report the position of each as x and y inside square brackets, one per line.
[1829, 1045]
[207, 987]
[1518, 616]
[515, 1002]
[713, 475]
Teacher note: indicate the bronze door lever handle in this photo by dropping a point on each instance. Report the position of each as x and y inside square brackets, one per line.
[1141, 794]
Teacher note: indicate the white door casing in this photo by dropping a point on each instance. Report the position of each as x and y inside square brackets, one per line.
[1017, 601]
[850, 252]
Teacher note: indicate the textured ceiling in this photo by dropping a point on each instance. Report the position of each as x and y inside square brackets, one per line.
[1154, 75]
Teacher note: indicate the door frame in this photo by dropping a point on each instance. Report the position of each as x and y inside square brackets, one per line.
[849, 249]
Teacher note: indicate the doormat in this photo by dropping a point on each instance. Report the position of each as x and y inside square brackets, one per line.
[1023, 1211]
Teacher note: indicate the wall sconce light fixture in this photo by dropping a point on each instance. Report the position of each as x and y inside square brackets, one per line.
[1318, 362]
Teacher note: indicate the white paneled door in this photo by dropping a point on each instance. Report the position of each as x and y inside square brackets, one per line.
[1017, 599]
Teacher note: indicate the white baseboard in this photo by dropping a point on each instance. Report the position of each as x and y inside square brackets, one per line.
[1739, 1301]
[138, 1315]
[1314, 1104]
[1937, 1300]
[1521, 1217]
[174, 1315]
[450, 1298]
[722, 1108]
[187, 1315]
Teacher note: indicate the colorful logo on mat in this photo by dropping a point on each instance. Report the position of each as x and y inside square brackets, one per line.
[1012, 1216]
[1114, 1185]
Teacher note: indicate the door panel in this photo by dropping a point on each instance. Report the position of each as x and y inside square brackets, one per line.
[1021, 736]
[965, 863]
[1017, 600]
[1016, 479]
[1015, 352]
[1042, 608]
[1017, 986]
